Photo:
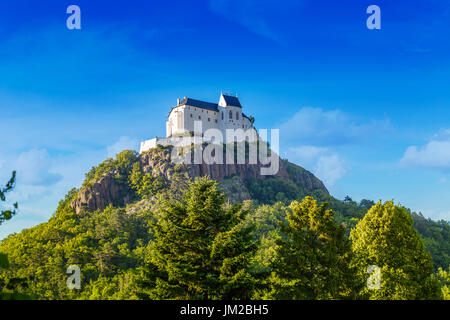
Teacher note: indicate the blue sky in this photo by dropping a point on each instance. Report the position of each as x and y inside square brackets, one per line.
[365, 110]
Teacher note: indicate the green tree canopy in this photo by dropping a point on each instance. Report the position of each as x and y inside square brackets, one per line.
[313, 258]
[444, 278]
[386, 238]
[7, 214]
[202, 250]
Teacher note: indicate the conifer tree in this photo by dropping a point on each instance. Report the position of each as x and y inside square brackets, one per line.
[202, 249]
[313, 256]
[386, 238]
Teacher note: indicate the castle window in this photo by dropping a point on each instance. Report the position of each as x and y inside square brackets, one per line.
[237, 116]
[222, 114]
[209, 120]
[199, 118]
[191, 115]
[231, 115]
[216, 120]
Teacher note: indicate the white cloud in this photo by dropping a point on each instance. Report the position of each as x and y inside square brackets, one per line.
[33, 168]
[319, 131]
[306, 156]
[435, 214]
[330, 168]
[325, 164]
[124, 143]
[318, 127]
[435, 154]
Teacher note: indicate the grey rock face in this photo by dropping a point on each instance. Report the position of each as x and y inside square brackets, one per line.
[108, 190]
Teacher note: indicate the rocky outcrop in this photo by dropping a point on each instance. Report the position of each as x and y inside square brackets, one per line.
[99, 194]
[158, 162]
[303, 177]
[109, 190]
[235, 189]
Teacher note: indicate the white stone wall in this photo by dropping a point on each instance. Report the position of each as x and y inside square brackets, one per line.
[175, 122]
[209, 118]
[148, 144]
[174, 141]
[181, 121]
[235, 120]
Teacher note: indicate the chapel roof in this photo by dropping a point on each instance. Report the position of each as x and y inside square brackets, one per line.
[231, 101]
[199, 104]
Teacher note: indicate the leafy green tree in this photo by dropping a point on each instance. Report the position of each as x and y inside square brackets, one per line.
[313, 258]
[367, 203]
[203, 249]
[7, 214]
[121, 166]
[444, 278]
[436, 238]
[145, 185]
[386, 238]
[252, 120]
[10, 287]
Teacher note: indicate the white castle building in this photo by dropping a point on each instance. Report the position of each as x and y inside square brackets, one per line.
[184, 119]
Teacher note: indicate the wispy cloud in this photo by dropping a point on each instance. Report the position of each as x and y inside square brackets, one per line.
[315, 126]
[330, 169]
[257, 15]
[33, 168]
[313, 136]
[435, 154]
[325, 164]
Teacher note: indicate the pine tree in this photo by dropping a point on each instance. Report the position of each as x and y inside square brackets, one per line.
[386, 238]
[202, 249]
[313, 257]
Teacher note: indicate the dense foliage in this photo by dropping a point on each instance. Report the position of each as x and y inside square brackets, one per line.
[312, 260]
[182, 239]
[386, 238]
[202, 250]
[10, 286]
[6, 214]
[107, 245]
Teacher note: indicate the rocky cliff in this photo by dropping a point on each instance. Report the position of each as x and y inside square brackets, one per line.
[107, 189]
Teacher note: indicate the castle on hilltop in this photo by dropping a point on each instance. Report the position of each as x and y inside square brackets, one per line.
[185, 117]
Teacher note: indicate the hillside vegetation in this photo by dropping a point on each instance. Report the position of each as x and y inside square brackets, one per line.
[142, 227]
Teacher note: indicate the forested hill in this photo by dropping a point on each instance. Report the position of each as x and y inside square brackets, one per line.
[132, 177]
[107, 227]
